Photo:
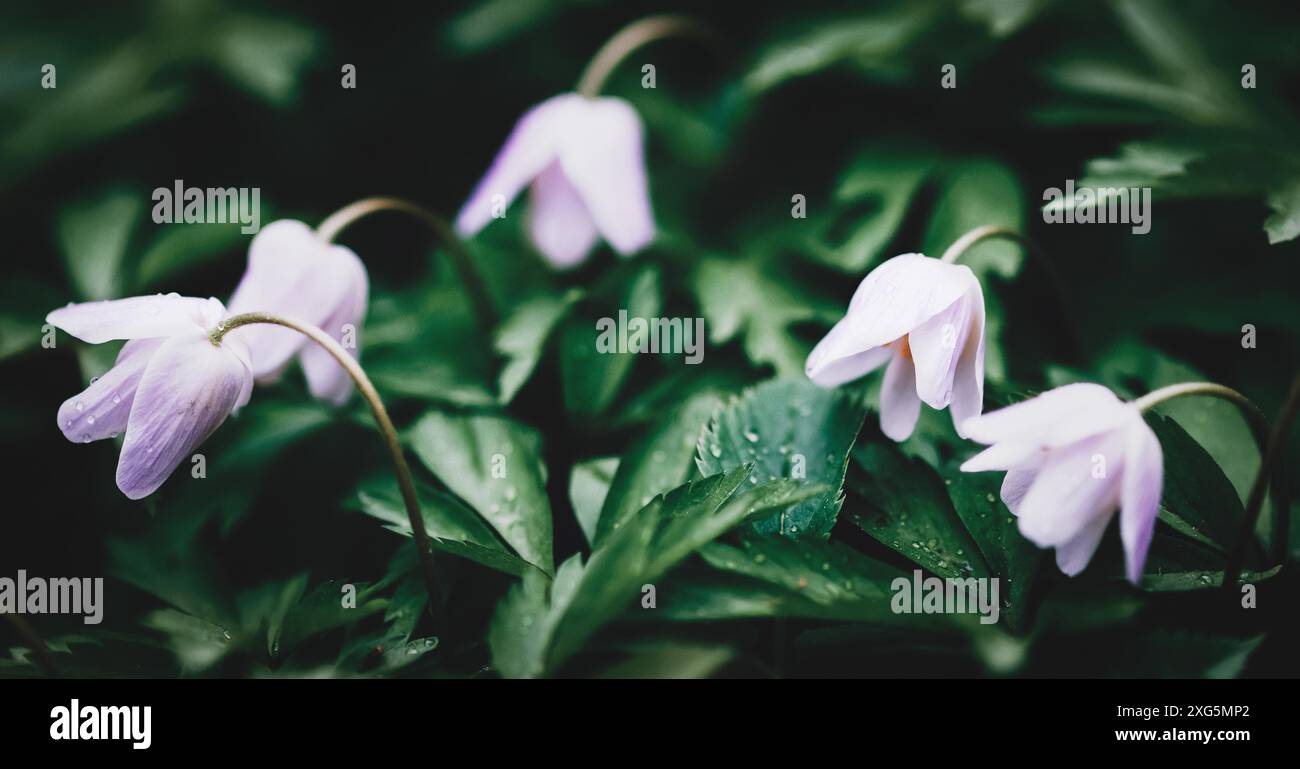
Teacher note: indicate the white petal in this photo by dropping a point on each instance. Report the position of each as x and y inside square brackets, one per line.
[326, 379]
[558, 221]
[936, 346]
[101, 410]
[188, 389]
[1036, 418]
[603, 157]
[899, 405]
[531, 146]
[138, 317]
[1140, 496]
[293, 272]
[1075, 485]
[1016, 484]
[968, 380]
[1073, 556]
[833, 372]
[898, 296]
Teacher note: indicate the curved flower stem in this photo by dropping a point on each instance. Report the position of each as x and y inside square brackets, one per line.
[386, 428]
[986, 232]
[461, 260]
[40, 652]
[1267, 451]
[627, 40]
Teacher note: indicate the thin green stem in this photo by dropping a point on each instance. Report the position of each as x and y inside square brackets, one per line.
[403, 471]
[1259, 429]
[462, 261]
[986, 232]
[627, 40]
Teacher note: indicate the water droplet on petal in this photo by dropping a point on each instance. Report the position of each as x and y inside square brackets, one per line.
[79, 406]
[85, 438]
[90, 420]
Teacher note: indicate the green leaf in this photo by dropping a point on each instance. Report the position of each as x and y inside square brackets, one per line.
[522, 337]
[868, 43]
[787, 429]
[592, 379]
[319, 610]
[656, 463]
[670, 660]
[838, 581]
[524, 623]
[588, 489]
[264, 56]
[1284, 223]
[660, 535]
[452, 527]
[496, 466]
[905, 506]
[754, 301]
[93, 236]
[1198, 500]
[885, 178]
[976, 498]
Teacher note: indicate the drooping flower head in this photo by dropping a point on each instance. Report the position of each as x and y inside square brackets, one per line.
[584, 161]
[170, 388]
[923, 317]
[293, 271]
[1073, 456]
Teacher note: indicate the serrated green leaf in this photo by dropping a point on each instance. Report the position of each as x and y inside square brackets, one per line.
[904, 505]
[496, 466]
[660, 461]
[787, 429]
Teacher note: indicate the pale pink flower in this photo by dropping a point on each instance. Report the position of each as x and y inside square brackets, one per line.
[170, 388]
[925, 318]
[1075, 455]
[584, 161]
[293, 271]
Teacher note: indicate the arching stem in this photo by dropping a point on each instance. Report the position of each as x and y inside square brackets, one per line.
[986, 232]
[1259, 428]
[462, 262]
[627, 40]
[403, 471]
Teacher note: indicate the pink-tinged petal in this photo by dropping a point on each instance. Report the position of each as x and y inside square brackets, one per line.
[937, 345]
[326, 379]
[558, 221]
[101, 410]
[1036, 417]
[1016, 484]
[138, 317]
[291, 271]
[833, 372]
[968, 380]
[1005, 455]
[603, 157]
[1140, 495]
[531, 146]
[1075, 485]
[188, 389]
[898, 296]
[899, 405]
[1073, 556]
